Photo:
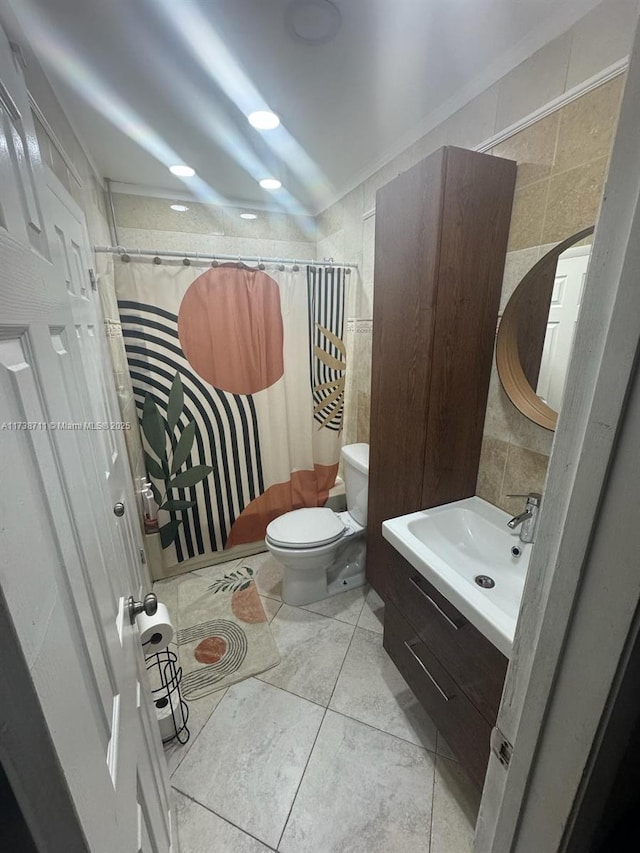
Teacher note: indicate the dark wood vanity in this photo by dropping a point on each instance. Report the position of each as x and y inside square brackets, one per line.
[455, 672]
[441, 239]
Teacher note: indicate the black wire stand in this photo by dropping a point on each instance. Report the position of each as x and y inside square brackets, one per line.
[165, 677]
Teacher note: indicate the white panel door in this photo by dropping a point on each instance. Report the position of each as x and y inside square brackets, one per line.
[568, 286]
[67, 563]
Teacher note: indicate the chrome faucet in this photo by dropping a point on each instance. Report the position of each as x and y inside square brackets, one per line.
[528, 519]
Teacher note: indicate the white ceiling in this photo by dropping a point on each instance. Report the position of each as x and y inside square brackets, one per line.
[148, 82]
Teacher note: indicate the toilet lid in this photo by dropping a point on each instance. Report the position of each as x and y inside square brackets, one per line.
[306, 528]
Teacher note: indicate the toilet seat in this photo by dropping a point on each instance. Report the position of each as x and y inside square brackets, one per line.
[306, 528]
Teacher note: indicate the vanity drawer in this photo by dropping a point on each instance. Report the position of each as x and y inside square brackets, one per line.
[465, 730]
[474, 662]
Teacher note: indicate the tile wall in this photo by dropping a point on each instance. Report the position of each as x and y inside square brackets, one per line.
[562, 162]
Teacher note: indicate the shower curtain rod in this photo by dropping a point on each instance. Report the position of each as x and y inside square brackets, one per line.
[198, 256]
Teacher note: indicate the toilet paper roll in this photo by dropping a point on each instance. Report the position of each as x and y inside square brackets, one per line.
[169, 715]
[156, 632]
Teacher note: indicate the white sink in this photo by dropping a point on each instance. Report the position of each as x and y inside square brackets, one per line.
[451, 545]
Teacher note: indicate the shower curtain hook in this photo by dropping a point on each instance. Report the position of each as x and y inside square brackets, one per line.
[186, 261]
[281, 265]
[260, 264]
[239, 262]
[157, 259]
[214, 262]
[295, 266]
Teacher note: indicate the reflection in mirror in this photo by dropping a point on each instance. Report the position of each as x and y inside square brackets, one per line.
[536, 332]
[566, 297]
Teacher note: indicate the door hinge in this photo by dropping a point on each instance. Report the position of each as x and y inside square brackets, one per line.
[143, 558]
[503, 750]
[92, 279]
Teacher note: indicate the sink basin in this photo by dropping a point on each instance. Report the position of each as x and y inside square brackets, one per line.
[451, 545]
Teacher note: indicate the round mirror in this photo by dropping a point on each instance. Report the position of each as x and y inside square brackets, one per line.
[537, 327]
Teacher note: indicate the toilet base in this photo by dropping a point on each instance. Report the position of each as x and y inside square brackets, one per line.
[306, 586]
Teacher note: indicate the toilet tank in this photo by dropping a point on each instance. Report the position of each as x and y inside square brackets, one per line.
[355, 464]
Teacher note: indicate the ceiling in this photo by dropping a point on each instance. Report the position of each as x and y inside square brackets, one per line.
[152, 82]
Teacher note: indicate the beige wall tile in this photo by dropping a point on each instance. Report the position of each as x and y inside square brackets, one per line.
[429, 143]
[533, 150]
[525, 471]
[527, 217]
[493, 460]
[385, 174]
[574, 200]
[517, 265]
[155, 214]
[587, 126]
[476, 121]
[534, 83]
[601, 38]
[330, 220]
[501, 414]
[364, 407]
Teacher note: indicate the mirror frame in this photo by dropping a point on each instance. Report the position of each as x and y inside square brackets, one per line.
[512, 376]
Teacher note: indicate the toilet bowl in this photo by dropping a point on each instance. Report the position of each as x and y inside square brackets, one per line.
[322, 551]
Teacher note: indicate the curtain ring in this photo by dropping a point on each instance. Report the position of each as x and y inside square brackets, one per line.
[186, 262]
[239, 262]
[347, 271]
[157, 259]
[260, 264]
[281, 266]
[295, 266]
[214, 263]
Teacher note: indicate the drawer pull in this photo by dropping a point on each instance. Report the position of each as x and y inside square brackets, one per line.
[434, 604]
[411, 650]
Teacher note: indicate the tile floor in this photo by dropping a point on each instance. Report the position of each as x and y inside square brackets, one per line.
[329, 752]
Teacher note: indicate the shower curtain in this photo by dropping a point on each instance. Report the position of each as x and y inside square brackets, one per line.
[238, 375]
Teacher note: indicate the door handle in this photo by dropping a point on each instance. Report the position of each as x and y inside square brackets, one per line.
[118, 509]
[148, 605]
[455, 625]
[410, 648]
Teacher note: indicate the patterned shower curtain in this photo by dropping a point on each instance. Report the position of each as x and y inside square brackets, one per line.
[238, 376]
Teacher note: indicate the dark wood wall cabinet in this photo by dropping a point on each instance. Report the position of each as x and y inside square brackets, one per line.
[441, 239]
[440, 246]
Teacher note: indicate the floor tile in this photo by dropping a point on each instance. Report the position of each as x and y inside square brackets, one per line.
[371, 689]
[201, 831]
[455, 809]
[345, 606]
[268, 574]
[443, 748]
[250, 757]
[312, 649]
[363, 791]
[271, 606]
[199, 712]
[372, 615]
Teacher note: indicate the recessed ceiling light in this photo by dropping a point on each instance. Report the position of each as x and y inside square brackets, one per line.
[313, 21]
[248, 216]
[263, 120]
[182, 171]
[179, 207]
[270, 184]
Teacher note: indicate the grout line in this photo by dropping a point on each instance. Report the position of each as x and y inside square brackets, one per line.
[195, 737]
[433, 751]
[316, 737]
[284, 690]
[295, 796]
[225, 819]
[433, 802]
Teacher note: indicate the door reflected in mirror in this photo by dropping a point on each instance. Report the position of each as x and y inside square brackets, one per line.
[568, 287]
[535, 336]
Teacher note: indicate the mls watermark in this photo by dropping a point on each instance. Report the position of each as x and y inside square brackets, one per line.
[80, 426]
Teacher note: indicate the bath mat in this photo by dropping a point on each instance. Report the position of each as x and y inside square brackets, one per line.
[223, 632]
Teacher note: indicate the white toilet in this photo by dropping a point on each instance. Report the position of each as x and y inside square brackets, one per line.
[323, 551]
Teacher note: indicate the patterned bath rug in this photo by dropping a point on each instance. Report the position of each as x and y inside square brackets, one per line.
[223, 632]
